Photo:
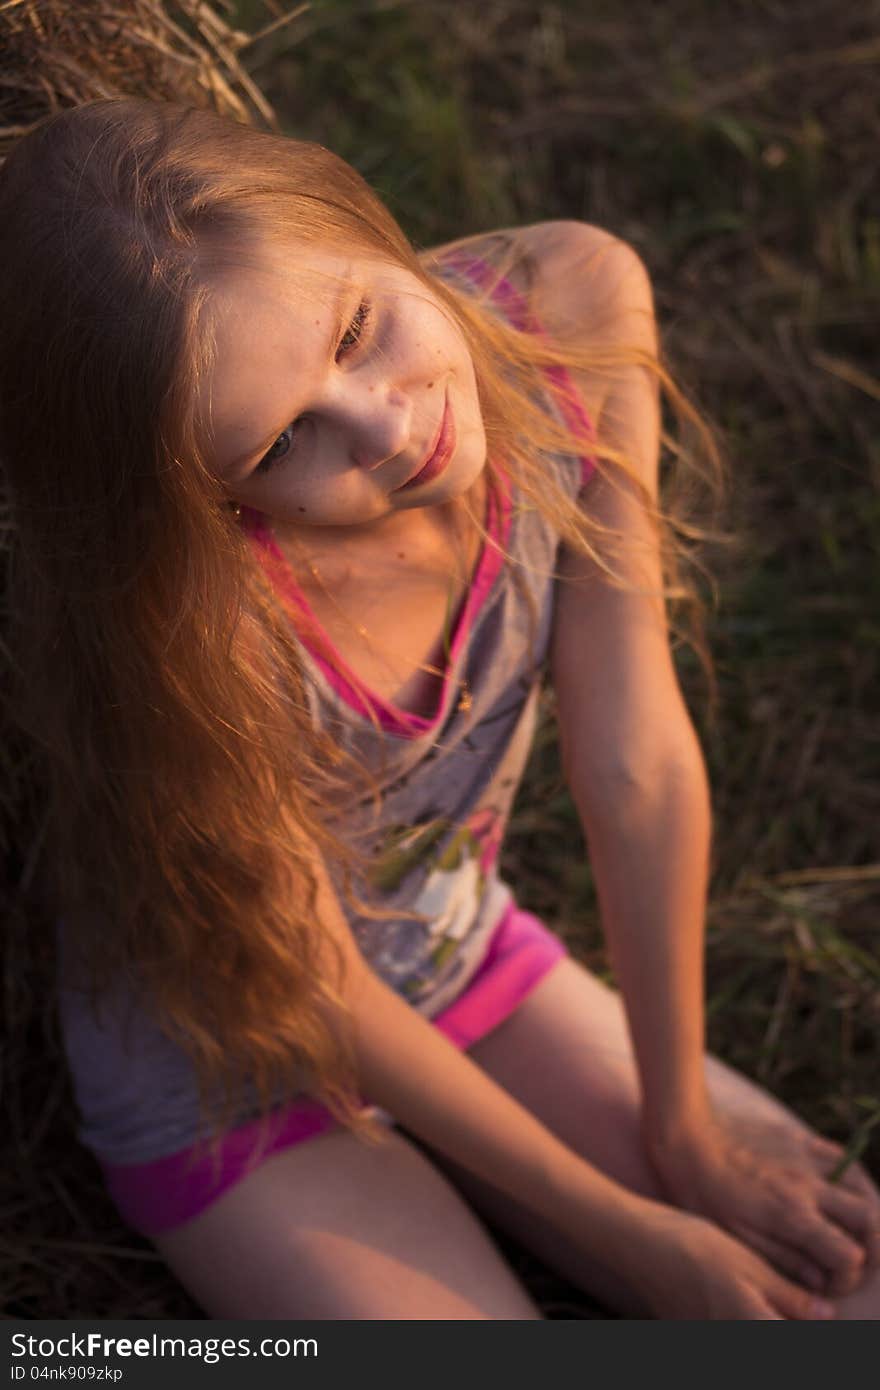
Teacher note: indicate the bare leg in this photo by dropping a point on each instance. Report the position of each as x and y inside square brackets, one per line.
[565, 1054]
[334, 1229]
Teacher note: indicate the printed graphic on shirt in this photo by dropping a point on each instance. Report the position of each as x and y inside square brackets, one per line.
[453, 887]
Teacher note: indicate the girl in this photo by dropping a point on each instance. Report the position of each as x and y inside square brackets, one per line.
[300, 515]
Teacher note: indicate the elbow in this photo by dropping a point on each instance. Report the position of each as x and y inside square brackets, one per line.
[643, 781]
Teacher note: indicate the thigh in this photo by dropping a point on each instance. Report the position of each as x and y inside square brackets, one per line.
[565, 1053]
[336, 1228]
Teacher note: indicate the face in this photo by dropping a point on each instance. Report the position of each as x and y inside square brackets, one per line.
[339, 379]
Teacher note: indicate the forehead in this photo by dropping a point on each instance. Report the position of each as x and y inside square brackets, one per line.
[264, 301]
[253, 276]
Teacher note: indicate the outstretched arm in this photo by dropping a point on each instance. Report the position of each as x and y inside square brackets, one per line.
[630, 753]
[637, 776]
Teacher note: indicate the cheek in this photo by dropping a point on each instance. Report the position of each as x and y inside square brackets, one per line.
[464, 364]
[333, 497]
[436, 338]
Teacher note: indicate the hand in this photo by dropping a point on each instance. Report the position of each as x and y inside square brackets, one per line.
[766, 1183]
[690, 1270]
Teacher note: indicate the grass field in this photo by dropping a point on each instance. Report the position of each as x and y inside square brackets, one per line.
[740, 160]
[735, 146]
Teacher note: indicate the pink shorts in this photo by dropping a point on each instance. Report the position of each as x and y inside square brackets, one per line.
[153, 1197]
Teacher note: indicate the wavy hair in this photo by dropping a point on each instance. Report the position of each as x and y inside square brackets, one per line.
[154, 675]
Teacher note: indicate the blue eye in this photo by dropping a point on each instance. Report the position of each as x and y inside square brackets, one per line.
[271, 458]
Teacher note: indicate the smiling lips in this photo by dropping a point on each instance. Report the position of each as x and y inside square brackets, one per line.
[441, 453]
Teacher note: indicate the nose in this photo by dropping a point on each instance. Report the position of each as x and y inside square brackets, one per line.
[376, 422]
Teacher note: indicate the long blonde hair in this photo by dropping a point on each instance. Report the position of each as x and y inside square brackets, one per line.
[154, 676]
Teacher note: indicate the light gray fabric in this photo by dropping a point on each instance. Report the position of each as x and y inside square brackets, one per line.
[447, 798]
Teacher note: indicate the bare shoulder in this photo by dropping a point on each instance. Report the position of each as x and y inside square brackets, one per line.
[583, 283]
[593, 288]
[575, 272]
[585, 276]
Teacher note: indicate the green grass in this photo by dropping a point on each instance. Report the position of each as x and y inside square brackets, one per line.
[737, 157]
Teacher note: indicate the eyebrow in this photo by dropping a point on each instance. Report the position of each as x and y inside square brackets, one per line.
[335, 334]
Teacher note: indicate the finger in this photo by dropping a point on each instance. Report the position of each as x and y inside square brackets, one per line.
[757, 1309]
[825, 1150]
[793, 1302]
[850, 1210]
[859, 1216]
[752, 1301]
[845, 1258]
[786, 1258]
[856, 1180]
[825, 1243]
[827, 1155]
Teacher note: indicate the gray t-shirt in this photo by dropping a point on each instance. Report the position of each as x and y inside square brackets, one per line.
[448, 783]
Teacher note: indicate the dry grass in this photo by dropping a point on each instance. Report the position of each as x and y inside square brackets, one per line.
[739, 156]
[57, 54]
